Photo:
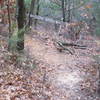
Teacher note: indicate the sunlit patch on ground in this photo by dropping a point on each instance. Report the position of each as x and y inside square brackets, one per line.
[69, 79]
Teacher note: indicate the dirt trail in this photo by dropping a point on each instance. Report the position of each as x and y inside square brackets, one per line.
[67, 77]
[70, 72]
[47, 53]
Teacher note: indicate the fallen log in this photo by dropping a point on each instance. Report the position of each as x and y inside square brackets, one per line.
[74, 45]
[63, 46]
[46, 19]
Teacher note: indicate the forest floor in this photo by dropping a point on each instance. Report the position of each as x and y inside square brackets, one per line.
[44, 73]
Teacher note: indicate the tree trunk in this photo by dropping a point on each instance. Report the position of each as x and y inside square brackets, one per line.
[9, 21]
[31, 11]
[69, 12]
[20, 20]
[37, 13]
[9, 18]
[63, 10]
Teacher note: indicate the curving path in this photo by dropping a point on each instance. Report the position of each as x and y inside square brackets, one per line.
[70, 76]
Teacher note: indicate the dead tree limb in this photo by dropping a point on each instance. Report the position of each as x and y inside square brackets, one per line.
[74, 45]
[61, 47]
[46, 19]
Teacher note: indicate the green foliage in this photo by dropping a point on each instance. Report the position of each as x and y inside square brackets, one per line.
[54, 10]
[54, 6]
[45, 8]
[27, 4]
[96, 11]
[51, 9]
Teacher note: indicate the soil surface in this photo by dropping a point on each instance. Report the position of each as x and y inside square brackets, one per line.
[44, 73]
[73, 77]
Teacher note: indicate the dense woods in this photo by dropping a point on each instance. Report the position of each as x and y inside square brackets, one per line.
[49, 49]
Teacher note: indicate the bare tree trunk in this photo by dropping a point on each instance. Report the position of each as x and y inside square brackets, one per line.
[31, 11]
[2, 15]
[21, 21]
[73, 10]
[37, 12]
[63, 10]
[69, 12]
[9, 19]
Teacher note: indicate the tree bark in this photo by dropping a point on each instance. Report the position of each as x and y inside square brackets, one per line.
[69, 12]
[37, 13]
[63, 10]
[9, 19]
[21, 21]
[32, 7]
